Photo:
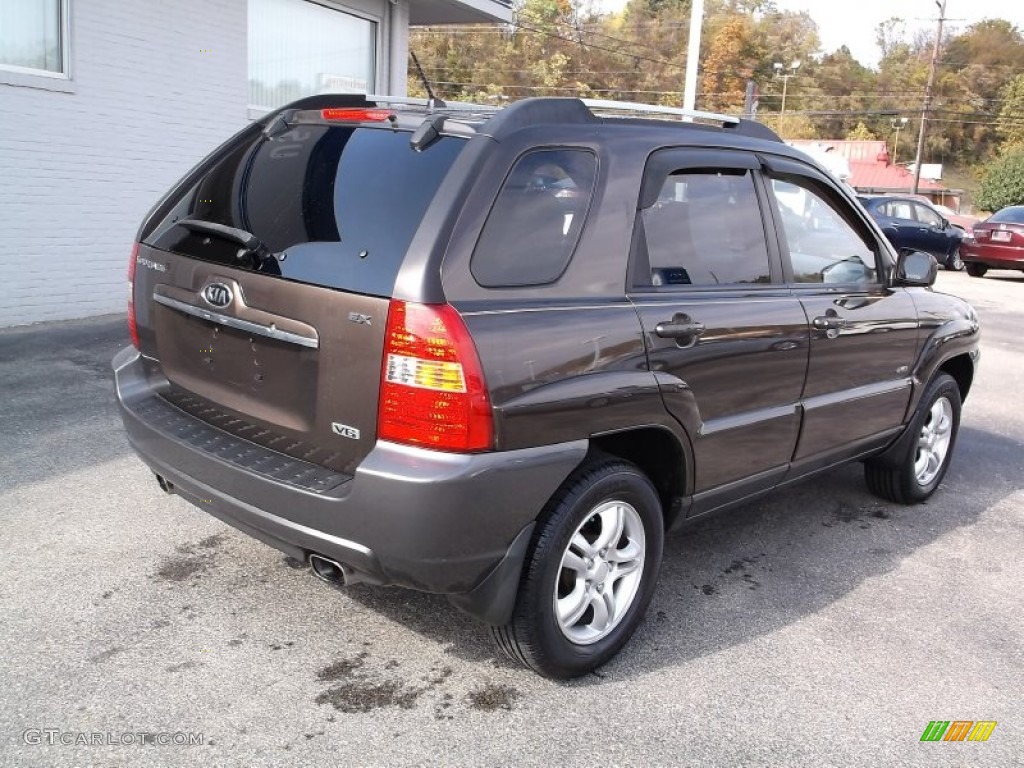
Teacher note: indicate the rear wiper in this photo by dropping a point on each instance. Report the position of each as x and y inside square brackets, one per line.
[260, 256]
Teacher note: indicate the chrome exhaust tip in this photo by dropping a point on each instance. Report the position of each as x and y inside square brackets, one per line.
[165, 485]
[329, 570]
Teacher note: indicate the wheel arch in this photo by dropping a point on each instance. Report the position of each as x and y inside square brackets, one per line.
[961, 368]
[661, 455]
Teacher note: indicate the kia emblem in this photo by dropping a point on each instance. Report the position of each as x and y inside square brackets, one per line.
[217, 295]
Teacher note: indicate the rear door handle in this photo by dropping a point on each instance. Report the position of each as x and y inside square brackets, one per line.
[678, 328]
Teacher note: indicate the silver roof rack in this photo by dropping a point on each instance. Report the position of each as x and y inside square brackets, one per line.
[654, 109]
[419, 102]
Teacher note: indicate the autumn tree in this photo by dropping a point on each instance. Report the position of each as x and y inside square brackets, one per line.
[860, 133]
[1011, 115]
[724, 68]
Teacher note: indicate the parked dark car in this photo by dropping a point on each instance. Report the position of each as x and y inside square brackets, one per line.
[499, 354]
[915, 224]
[998, 242]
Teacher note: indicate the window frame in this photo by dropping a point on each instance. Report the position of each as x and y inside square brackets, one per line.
[669, 161]
[12, 74]
[781, 167]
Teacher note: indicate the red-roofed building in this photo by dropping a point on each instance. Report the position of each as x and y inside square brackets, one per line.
[871, 172]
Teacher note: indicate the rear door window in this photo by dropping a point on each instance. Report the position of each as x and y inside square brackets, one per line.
[705, 229]
[340, 203]
[533, 228]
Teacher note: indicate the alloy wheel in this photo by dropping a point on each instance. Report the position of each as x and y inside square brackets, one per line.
[600, 571]
[933, 442]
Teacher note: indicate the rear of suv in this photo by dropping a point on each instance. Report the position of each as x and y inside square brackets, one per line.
[498, 354]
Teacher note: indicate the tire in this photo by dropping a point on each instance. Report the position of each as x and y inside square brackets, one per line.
[568, 569]
[953, 262]
[976, 270]
[912, 475]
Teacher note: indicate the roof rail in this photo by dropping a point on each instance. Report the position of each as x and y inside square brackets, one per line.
[745, 127]
[630, 106]
[430, 103]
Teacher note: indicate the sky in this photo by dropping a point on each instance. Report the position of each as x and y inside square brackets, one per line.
[852, 22]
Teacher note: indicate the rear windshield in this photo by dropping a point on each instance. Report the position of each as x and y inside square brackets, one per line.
[340, 203]
[1012, 215]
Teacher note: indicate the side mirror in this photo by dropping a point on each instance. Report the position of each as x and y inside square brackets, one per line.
[915, 268]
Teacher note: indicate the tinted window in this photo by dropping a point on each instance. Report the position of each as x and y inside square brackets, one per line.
[342, 203]
[1013, 215]
[824, 247]
[533, 228]
[705, 229]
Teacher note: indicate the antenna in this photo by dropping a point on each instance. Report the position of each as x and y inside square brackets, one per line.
[432, 101]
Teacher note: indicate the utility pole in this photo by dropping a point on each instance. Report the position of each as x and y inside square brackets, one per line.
[928, 94]
[693, 54]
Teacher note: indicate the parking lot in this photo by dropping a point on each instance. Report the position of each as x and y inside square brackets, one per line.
[819, 626]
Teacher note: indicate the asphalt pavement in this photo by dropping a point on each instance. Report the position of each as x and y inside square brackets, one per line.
[819, 626]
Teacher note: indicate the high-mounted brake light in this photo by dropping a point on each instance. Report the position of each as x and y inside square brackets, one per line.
[357, 114]
[432, 391]
[133, 327]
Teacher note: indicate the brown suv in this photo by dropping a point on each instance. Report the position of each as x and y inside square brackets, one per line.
[497, 354]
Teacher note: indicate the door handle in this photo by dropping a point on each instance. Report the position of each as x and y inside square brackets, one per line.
[678, 328]
[828, 322]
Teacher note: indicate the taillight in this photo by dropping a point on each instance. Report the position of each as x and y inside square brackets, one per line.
[133, 328]
[432, 390]
[357, 114]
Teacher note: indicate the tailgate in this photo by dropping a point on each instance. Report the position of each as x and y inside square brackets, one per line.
[290, 366]
[263, 294]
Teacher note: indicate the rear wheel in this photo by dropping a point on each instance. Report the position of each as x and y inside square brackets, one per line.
[590, 574]
[976, 270]
[913, 476]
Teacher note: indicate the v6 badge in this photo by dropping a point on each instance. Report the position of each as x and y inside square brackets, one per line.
[345, 430]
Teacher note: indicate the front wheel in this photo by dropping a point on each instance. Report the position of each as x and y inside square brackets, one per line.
[913, 476]
[953, 262]
[976, 270]
[591, 572]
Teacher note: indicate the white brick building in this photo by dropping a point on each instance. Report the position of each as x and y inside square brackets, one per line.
[106, 103]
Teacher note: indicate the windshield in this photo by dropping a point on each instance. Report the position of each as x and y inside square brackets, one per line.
[336, 205]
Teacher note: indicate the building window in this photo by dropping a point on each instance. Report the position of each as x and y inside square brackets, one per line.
[300, 48]
[33, 37]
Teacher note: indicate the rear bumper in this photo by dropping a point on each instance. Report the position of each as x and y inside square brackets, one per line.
[993, 256]
[428, 520]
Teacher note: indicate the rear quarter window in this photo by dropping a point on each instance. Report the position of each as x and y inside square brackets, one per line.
[535, 223]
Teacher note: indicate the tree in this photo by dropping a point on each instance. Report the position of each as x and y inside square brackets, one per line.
[790, 126]
[975, 68]
[723, 83]
[1003, 184]
[1011, 116]
[860, 133]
